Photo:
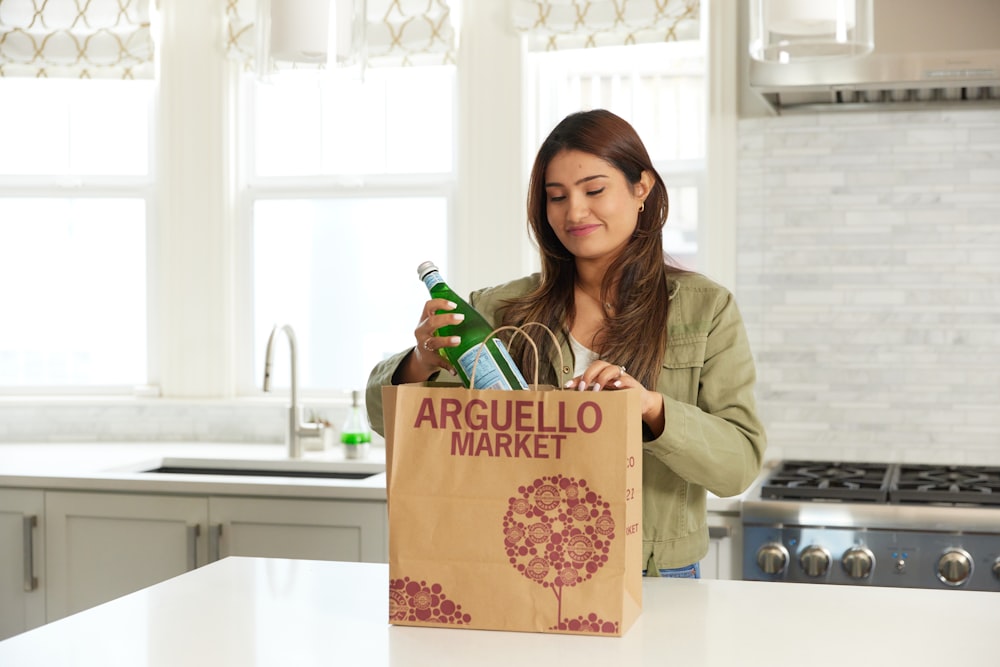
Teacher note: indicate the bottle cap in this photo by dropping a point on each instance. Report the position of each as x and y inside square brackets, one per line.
[425, 268]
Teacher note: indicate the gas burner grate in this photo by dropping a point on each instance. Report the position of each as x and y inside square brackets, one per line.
[822, 480]
[948, 485]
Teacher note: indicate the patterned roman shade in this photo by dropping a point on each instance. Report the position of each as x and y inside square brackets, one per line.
[108, 39]
[397, 32]
[572, 24]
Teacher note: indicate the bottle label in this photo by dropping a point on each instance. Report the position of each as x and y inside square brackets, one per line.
[432, 279]
[488, 372]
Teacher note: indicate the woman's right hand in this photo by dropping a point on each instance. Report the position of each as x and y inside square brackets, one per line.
[426, 357]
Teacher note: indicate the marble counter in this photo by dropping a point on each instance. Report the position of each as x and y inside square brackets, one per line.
[121, 466]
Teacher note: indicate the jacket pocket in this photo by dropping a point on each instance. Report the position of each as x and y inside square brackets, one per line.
[682, 364]
[685, 353]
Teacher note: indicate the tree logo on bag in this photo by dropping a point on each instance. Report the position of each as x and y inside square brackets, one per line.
[557, 533]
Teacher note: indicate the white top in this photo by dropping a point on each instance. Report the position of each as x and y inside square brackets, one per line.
[254, 611]
[583, 355]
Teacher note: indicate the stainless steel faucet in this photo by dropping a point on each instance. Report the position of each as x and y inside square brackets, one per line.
[297, 429]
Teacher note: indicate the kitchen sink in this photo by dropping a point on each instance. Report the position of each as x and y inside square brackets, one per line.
[266, 468]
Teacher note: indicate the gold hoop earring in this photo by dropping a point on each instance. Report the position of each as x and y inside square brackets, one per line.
[642, 207]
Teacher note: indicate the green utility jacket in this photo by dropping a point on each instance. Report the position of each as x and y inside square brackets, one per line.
[713, 439]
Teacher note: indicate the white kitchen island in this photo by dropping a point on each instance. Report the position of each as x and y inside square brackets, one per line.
[253, 611]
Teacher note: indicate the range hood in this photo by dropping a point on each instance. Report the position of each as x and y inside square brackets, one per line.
[926, 52]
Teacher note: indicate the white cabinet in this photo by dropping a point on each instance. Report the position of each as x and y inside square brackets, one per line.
[305, 529]
[101, 546]
[724, 546]
[22, 556]
[104, 545]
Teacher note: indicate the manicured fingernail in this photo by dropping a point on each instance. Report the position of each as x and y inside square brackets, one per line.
[596, 387]
[458, 317]
[455, 340]
[452, 305]
[617, 384]
[581, 386]
[569, 383]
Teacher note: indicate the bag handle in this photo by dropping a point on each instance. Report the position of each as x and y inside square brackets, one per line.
[534, 347]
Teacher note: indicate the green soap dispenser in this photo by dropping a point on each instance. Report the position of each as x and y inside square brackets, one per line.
[356, 435]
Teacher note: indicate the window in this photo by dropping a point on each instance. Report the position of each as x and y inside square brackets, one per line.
[74, 211]
[344, 200]
[341, 271]
[660, 89]
[310, 124]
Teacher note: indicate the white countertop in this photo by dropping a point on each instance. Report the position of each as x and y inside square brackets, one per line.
[119, 466]
[253, 611]
[116, 467]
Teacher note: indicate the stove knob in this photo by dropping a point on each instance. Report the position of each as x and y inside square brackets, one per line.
[858, 562]
[815, 561]
[954, 567]
[772, 558]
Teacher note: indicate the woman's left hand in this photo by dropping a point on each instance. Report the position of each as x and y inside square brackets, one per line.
[603, 375]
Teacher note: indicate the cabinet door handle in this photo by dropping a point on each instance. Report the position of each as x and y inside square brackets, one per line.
[214, 539]
[718, 532]
[30, 580]
[192, 533]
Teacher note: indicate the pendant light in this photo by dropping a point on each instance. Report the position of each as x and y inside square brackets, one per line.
[327, 33]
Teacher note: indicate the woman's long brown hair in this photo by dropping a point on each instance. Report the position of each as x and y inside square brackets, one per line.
[636, 335]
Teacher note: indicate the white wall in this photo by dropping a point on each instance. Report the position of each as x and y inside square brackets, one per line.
[868, 271]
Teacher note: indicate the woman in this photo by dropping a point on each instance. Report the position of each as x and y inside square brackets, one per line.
[627, 319]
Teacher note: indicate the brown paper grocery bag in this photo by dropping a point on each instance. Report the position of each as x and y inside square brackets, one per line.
[514, 510]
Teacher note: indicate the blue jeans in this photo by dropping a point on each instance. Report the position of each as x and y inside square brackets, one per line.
[692, 571]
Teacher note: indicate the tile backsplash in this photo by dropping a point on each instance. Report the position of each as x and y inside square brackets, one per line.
[868, 274]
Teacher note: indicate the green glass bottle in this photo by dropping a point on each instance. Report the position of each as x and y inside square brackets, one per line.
[495, 369]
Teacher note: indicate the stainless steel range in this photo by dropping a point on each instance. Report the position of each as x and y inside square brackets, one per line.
[875, 524]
